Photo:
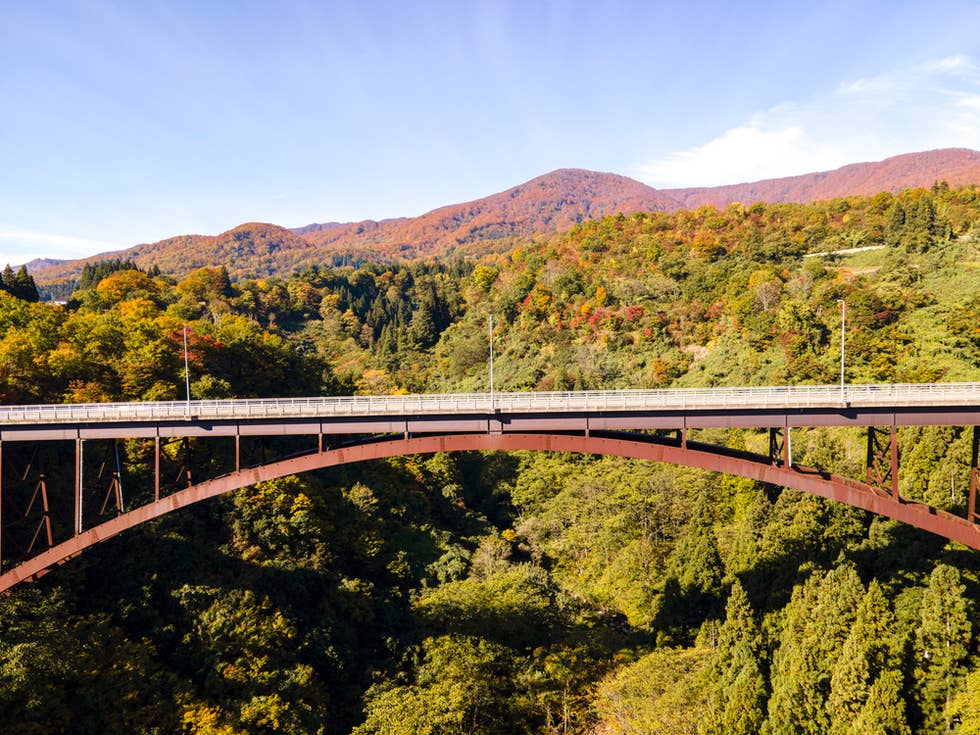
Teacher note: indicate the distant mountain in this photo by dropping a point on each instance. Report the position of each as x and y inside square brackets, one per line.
[251, 249]
[37, 263]
[953, 165]
[549, 203]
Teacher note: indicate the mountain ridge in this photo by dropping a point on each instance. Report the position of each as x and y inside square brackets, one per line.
[893, 174]
[545, 204]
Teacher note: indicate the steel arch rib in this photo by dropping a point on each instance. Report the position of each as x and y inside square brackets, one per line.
[755, 467]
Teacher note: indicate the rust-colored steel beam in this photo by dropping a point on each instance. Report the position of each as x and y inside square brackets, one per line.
[1, 506]
[974, 476]
[882, 460]
[40, 489]
[79, 484]
[894, 460]
[755, 467]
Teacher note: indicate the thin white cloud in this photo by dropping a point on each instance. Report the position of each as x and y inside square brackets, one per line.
[876, 85]
[19, 245]
[746, 153]
[934, 105]
[951, 65]
[968, 101]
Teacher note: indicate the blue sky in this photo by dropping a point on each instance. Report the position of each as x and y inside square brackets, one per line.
[127, 122]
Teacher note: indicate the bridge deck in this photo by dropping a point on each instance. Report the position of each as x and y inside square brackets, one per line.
[603, 422]
[750, 399]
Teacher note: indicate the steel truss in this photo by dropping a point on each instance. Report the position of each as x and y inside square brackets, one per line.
[56, 526]
[776, 468]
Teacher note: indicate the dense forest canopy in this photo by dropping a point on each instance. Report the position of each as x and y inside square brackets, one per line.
[526, 593]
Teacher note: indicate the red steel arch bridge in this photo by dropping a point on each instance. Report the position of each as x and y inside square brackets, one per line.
[62, 481]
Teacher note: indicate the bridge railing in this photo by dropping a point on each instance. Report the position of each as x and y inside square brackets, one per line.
[679, 399]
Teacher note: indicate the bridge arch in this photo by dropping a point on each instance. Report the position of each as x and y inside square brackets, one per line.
[690, 454]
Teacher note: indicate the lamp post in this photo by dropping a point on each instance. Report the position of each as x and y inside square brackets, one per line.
[843, 310]
[187, 372]
[491, 361]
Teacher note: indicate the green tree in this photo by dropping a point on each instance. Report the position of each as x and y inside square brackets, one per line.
[738, 691]
[883, 712]
[461, 686]
[818, 622]
[662, 692]
[942, 643]
[695, 561]
[24, 286]
[966, 705]
[867, 654]
[896, 224]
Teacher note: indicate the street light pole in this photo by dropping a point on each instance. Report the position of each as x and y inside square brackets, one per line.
[843, 310]
[187, 372]
[491, 361]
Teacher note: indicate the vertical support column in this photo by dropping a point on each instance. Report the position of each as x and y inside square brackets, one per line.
[974, 477]
[870, 460]
[187, 455]
[788, 446]
[156, 466]
[1, 506]
[894, 459]
[238, 450]
[779, 451]
[79, 483]
[118, 477]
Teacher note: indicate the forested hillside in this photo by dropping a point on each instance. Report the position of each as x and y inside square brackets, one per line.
[522, 593]
[545, 204]
[955, 165]
[542, 206]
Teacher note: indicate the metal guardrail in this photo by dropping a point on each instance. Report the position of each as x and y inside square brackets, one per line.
[680, 399]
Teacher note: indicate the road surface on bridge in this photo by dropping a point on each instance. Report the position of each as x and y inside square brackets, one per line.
[778, 398]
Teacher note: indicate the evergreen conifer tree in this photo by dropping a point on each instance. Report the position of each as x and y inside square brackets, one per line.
[920, 225]
[695, 561]
[819, 619]
[744, 696]
[737, 704]
[884, 711]
[7, 280]
[896, 225]
[867, 654]
[965, 706]
[694, 571]
[24, 286]
[942, 643]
